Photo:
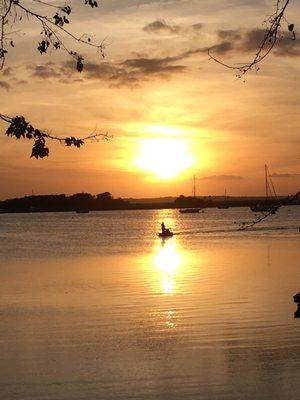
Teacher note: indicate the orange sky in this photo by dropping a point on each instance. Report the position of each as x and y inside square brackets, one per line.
[173, 113]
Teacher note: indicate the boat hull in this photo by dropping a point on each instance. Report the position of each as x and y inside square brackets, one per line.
[189, 210]
[262, 208]
[165, 235]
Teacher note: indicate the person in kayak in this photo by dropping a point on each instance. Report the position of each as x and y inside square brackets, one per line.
[165, 231]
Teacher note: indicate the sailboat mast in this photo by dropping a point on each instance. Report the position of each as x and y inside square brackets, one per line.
[194, 186]
[266, 181]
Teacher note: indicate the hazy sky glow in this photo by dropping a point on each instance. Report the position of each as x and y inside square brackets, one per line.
[173, 113]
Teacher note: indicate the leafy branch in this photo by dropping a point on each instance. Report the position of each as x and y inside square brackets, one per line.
[22, 129]
[272, 35]
[53, 28]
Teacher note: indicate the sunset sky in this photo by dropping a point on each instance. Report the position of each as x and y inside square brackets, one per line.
[173, 112]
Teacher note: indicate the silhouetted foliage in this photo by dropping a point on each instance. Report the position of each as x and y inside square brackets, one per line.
[274, 33]
[61, 202]
[52, 25]
[53, 31]
[21, 129]
[191, 201]
[105, 197]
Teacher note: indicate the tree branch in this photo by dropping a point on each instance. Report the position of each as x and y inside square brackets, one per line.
[21, 129]
[273, 210]
[53, 29]
[271, 37]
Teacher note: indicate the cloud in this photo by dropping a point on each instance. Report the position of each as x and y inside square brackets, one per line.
[7, 71]
[130, 72]
[222, 178]
[160, 26]
[284, 176]
[247, 41]
[221, 48]
[229, 34]
[4, 85]
[197, 27]
[45, 71]
[150, 66]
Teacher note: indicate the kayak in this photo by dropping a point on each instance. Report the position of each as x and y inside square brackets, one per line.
[166, 234]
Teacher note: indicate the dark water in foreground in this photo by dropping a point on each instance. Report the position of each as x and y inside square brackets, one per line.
[95, 306]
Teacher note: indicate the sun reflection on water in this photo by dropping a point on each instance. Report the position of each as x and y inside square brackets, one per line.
[168, 258]
[168, 285]
[168, 261]
[167, 268]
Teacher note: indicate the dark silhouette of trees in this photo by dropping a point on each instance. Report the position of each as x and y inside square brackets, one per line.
[53, 22]
[191, 201]
[275, 25]
[61, 202]
[104, 197]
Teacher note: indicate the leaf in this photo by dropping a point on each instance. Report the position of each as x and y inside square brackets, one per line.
[39, 150]
[43, 46]
[67, 10]
[79, 65]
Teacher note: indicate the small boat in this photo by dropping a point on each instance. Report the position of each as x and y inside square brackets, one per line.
[166, 234]
[262, 207]
[224, 205]
[82, 211]
[189, 210]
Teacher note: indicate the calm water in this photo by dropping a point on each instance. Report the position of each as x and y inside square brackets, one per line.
[95, 306]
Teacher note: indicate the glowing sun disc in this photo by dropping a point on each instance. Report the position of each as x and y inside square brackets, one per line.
[165, 158]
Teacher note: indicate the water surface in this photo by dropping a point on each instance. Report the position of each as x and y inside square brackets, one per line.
[95, 306]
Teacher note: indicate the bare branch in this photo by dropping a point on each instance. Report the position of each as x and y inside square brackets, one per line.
[272, 36]
[272, 211]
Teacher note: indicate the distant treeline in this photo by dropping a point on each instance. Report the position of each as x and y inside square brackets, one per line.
[61, 202]
[83, 202]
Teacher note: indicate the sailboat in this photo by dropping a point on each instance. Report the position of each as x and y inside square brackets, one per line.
[191, 210]
[224, 205]
[266, 205]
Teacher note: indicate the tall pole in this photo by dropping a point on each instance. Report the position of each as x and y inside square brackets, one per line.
[194, 186]
[266, 181]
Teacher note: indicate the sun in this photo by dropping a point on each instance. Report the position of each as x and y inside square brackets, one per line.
[163, 157]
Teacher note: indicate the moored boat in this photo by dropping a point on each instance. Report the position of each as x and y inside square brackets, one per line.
[262, 207]
[266, 205]
[82, 211]
[189, 210]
